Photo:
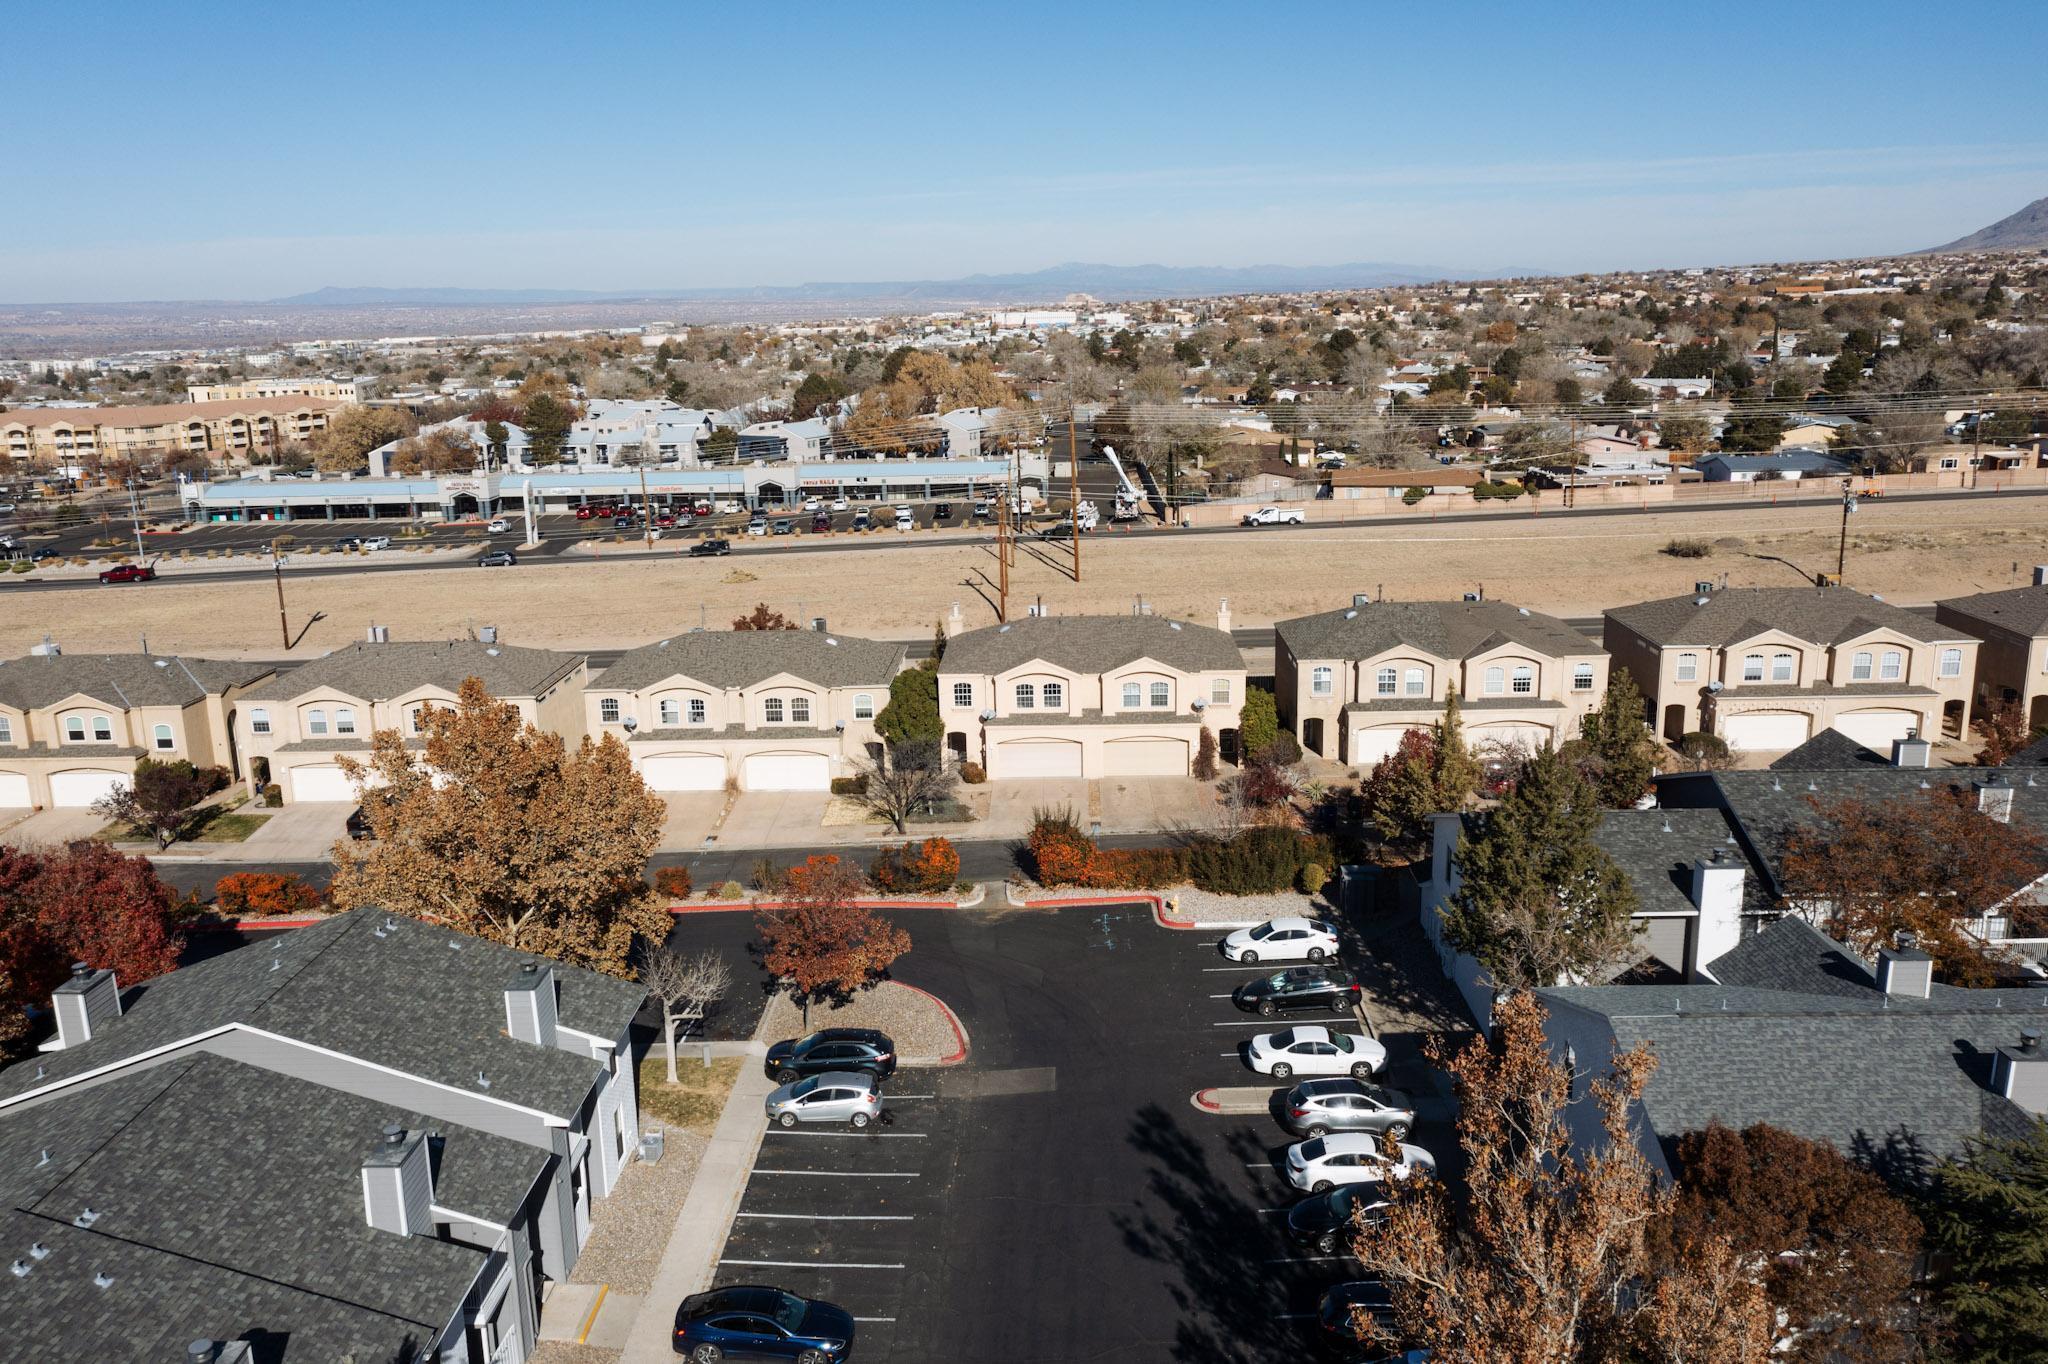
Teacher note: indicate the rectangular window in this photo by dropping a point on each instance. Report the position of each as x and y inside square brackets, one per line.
[1525, 681]
[1319, 681]
[344, 721]
[1417, 682]
[1951, 662]
[1027, 696]
[1054, 696]
[102, 729]
[316, 722]
[1688, 667]
[771, 710]
[863, 706]
[1496, 679]
[1753, 667]
[696, 710]
[1893, 666]
[608, 710]
[1385, 681]
[1859, 668]
[1162, 694]
[1582, 677]
[259, 721]
[162, 734]
[6, 730]
[1781, 667]
[1132, 695]
[671, 713]
[1219, 691]
[963, 693]
[800, 709]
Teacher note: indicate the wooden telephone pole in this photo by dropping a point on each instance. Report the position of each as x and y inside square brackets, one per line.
[1003, 554]
[1074, 488]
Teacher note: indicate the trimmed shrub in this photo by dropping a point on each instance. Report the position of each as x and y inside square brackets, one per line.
[273, 796]
[263, 895]
[1061, 855]
[1260, 861]
[1705, 751]
[768, 875]
[674, 882]
[1414, 495]
[730, 890]
[1137, 868]
[1505, 492]
[973, 774]
[1205, 756]
[1284, 751]
[1313, 879]
[855, 785]
[1689, 548]
[925, 868]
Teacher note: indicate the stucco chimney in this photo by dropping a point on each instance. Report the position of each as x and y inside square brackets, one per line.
[1223, 615]
[1994, 797]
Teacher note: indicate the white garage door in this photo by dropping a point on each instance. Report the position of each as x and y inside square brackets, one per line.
[1764, 733]
[322, 783]
[684, 772]
[1528, 737]
[787, 772]
[1370, 746]
[1145, 758]
[1877, 728]
[13, 790]
[1028, 759]
[84, 787]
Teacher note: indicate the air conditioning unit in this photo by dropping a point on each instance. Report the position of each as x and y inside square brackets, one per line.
[1361, 599]
[1703, 586]
[1472, 596]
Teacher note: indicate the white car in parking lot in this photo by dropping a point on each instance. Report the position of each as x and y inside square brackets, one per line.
[1289, 938]
[498, 525]
[1322, 1163]
[835, 1096]
[1314, 1050]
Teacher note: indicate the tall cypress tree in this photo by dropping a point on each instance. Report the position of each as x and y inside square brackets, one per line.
[1539, 902]
[1624, 753]
[1454, 769]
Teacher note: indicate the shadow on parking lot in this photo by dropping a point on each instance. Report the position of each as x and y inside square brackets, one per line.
[1233, 1297]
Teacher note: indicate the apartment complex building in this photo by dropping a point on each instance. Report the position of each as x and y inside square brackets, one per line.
[2012, 660]
[38, 437]
[258, 390]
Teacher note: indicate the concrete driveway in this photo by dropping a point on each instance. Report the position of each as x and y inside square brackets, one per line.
[52, 828]
[1011, 804]
[770, 819]
[1133, 804]
[302, 832]
[691, 816]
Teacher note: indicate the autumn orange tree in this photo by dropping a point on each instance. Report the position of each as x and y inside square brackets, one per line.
[263, 894]
[2006, 731]
[1872, 869]
[763, 617]
[496, 829]
[1543, 1259]
[818, 941]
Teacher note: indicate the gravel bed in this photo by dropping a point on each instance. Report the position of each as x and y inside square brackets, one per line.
[916, 1024]
[632, 1226]
[569, 1352]
[1204, 907]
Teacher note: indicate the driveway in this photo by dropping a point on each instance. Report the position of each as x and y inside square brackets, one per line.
[53, 828]
[772, 819]
[1011, 804]
[691, 816]
[294, 833]
[1139, 803]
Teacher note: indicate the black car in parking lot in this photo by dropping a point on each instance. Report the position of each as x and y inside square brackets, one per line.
[832, 1049]
[943, 512]
[1323, 1221]
[1298, 987]
[761, 1323]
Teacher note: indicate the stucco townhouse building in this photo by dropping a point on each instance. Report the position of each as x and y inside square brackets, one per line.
[1351, 682]
[2012, 653]
[1091, 696]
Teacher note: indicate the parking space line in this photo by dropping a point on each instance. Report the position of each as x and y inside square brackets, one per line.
[833, 1216]
[1301, 1259]
[806, 1264]
[786, 1132]
[896, 1099]
[874, 1318]
[1254, 1023]
[844, 1174]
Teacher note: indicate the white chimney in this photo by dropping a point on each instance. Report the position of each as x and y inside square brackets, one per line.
[1717, 883]
[955, 622]
[1911, 751]
[530, 1004]
[1905, 970]
[1223, 615]
[84, 1004]
[2021, 1073]
[1994, 798]
[398, 1183]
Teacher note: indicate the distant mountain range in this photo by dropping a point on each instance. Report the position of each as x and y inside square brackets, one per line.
[1038, 286]
[2026, 230]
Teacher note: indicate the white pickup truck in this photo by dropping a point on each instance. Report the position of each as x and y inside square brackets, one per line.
[1273, 516]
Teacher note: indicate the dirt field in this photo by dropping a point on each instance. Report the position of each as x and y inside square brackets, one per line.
[1570, 566]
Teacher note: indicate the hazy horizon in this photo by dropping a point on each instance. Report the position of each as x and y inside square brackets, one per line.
[686, 150]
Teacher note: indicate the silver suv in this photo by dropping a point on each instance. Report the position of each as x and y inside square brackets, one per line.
[1315, 1107]
[836, 1096]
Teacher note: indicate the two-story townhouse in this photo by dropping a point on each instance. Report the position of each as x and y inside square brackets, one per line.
[372, 1139]
[1090, 696]
[1350, 683]
[1766, 668]
[772, 710]
[2012, 655]
[72, 725]
[296, 726]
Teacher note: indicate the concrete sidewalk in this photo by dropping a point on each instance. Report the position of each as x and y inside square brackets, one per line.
[691, 1258]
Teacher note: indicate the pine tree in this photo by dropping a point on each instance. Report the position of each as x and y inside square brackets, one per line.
[1539, 901]
[1990, 1213]
[1258, 724]
[1624, 753]
[1455, 771]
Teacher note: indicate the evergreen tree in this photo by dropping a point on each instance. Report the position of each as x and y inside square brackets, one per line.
[547, 424]
[913, 711]
[1456, 772]
[1990, 1214]
[1620, 744]
[1539, 901]
[1258, 724]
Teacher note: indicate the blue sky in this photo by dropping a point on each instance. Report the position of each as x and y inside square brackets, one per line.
[252, 151]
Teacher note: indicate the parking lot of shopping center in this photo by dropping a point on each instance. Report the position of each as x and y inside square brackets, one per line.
[1065, 1155]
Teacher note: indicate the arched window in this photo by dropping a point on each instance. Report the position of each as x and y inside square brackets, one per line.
[1688, 667]
[863, 706]
[102, 729]
[1417, 682]
[800, 709]
[74, 729]
[1162, 694]
[1891, 666]
[1134, 694]
[1496, 681]
[1385, 681]
[771, 710]
[1951, 662]
[1859, 667]
[1319, 684]
[6, 729]
[1219, 690]
[344, 720]
[1027, 696]
[1054, 696]
[608, 710]
[162, 734]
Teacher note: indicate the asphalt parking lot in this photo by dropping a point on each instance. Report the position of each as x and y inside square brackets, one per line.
[1061, 1197]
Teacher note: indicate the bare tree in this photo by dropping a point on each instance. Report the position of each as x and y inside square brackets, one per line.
[686, 986]
[912, 779]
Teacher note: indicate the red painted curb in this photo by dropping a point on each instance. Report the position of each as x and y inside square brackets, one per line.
[952, 1021]
[736, 906]
[1158, 904]
[1205, 1103]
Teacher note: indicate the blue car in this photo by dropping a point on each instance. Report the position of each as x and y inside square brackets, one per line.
[761, 1323]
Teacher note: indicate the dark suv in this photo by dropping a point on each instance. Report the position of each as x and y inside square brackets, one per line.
[829, 1049]
[1298, 987]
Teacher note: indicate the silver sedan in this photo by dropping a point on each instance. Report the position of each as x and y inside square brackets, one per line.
[835, 1096]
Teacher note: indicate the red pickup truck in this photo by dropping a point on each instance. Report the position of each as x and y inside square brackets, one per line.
[129, 573]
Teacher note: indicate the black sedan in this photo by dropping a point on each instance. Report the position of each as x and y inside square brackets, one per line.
[1322, 1221]
[832, 1049]
[1343, 1306]
[1298, 987]
[943, 512]
[761, 1323]
[709, 548]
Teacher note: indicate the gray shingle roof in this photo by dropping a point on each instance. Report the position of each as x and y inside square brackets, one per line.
[1092, 644]
[740, 658]
[120, 680]
[1658, 847]
[1829, 751]
[405, 1000]
[1819, 615]
[376, 672]
[277, 1240]
[2022, 610]
[1443, 629]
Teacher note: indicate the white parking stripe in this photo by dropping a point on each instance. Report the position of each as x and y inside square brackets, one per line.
[844, 1174]
[831, 1216]
[788, 1132]
[874, 1318]
[806, 1264]
[1253, 1023]
[1306, 1260]
[894, 1099]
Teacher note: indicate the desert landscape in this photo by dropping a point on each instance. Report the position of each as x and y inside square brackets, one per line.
[1566, 565]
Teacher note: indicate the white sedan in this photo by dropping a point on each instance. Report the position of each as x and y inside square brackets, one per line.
[1322, 1163]
[1289, 938]
[1314, 1050]
[838, 504]
[812, 504]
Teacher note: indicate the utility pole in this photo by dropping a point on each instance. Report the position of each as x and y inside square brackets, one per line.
[1003, 556]
[277, 569]
[1842, 548]
[646, 509]
[1074, 487]
[135, 513]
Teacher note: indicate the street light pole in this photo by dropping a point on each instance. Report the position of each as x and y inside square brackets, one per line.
[1074, 487]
